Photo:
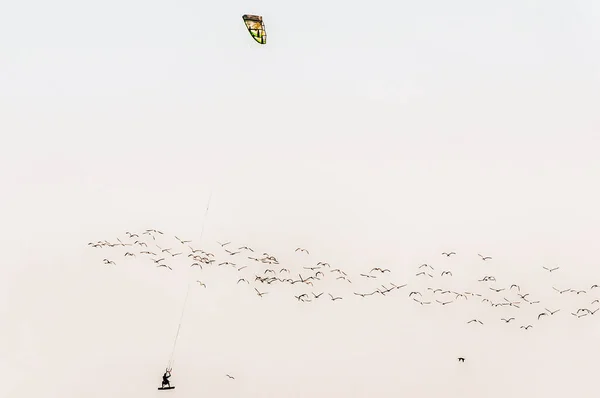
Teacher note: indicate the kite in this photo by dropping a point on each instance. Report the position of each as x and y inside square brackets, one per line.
[256, 27]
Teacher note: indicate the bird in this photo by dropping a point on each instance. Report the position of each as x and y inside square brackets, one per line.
[334, 298]
[484, 257]
[129, 254]
[166, 266]
[368, 276]
[380, 270]
[231, 377]
[551, 269]
[232, 253]
[507, 320]
[312, 268]
[259, 293]
[475, 320]
[551, 312]
[542, 314]
[526, 327]
[448, 254]
[107, 261]
[183, 242]
[201, 283]
[242, 280]
[299, 249]
[301, 296]
[461, 359]
[421, 302]
[446, 273]
[223, 244]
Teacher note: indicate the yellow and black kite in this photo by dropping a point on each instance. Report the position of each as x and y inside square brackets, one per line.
[256, 27]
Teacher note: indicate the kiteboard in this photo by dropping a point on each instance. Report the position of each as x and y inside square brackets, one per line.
[166, 388]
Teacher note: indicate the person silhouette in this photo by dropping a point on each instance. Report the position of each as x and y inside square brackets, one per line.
[165, 378]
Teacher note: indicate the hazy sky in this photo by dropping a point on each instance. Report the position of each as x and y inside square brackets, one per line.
[372, 133]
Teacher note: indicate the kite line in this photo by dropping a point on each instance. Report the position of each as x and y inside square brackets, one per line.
[171, 359]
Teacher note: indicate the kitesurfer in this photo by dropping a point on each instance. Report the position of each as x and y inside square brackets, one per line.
[165, 380]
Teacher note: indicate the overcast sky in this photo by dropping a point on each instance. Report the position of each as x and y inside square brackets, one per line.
[371, 133]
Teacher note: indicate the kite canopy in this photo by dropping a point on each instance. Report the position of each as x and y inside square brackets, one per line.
[256, 27]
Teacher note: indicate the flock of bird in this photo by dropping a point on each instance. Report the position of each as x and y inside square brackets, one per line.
[315, 280]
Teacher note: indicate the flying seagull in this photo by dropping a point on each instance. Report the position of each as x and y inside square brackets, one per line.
[551, 269]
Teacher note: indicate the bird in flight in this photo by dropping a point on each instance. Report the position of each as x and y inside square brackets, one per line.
[300, 297]
[259, 293]
[201, 283]
[223, 244]
[507, 320]
[446, 273]
[384, 270]
[299, 249]
[461, 359]
[231, 377]
[475, 320]
[107, 261]
[526, 327]
[183, 242]
[448, 254]
[334, 298]
[368, 276]
[166, 266]
[484, 257]
[420, 302]
[551, 269]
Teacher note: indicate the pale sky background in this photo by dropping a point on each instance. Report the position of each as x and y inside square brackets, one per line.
[372, 133]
